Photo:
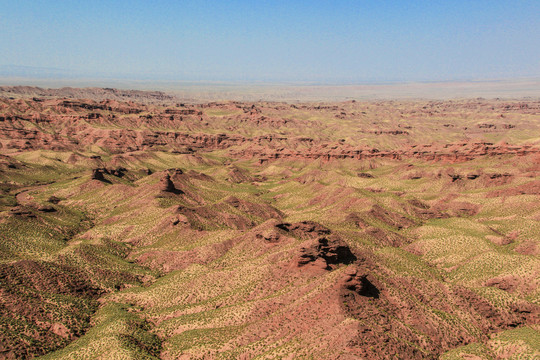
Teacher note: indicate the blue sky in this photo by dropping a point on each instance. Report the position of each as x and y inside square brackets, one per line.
[320, 41]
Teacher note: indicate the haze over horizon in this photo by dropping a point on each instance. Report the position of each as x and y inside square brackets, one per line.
[317, 41]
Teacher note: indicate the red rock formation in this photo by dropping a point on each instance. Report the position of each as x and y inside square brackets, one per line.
[166, 185]
[326, 252]
[359, 282]
[97, 174]
[305, 229]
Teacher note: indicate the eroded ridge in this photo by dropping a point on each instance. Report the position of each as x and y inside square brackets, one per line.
[157, 229]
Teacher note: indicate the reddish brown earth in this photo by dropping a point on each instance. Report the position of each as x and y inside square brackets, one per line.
[25, 289]
[344, 229]
[120, 127]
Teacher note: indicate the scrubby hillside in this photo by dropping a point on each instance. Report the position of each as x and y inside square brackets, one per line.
[231, 230]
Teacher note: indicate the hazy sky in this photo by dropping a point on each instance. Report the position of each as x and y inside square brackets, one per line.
[332, 41]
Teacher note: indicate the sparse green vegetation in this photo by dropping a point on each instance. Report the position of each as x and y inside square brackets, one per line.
[445, 250]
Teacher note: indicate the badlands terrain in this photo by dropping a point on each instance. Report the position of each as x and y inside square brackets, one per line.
[135, 226]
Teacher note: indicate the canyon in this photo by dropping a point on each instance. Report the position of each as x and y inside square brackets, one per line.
[137, 226]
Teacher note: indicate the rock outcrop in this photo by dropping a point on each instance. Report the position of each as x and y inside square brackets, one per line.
[326, 252]
[166, 185]
[305, 229]
[359, 282]
[97, 174]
